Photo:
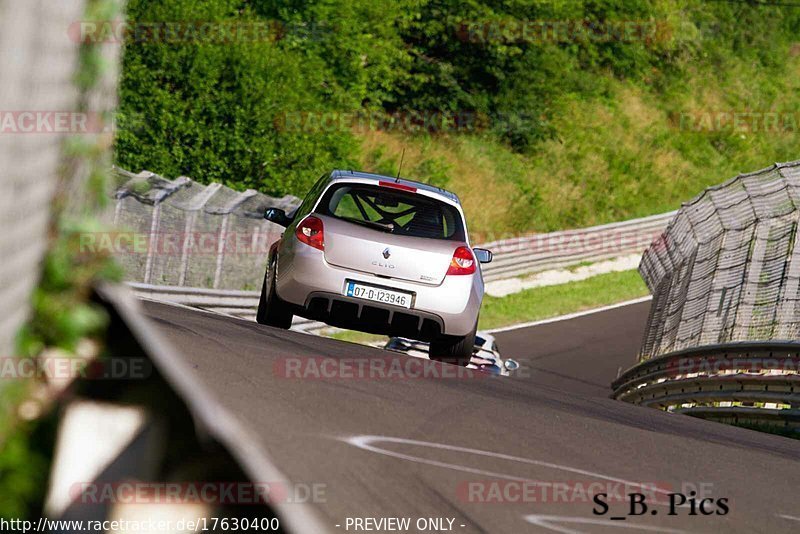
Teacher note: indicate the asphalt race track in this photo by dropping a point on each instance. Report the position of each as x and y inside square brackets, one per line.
[452, 447]
[581, 355]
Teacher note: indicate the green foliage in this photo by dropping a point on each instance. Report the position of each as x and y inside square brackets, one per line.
[62, 313]
[434, 171]
[549, 80]
[24, 467]
[215, 111]
[430, 169]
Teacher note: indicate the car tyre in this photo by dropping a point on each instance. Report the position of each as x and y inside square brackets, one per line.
[273, 311]
[453, 349]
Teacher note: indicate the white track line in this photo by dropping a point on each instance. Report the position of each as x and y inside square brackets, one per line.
[569, 316]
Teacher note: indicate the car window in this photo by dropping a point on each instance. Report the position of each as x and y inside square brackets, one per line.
[311, 196]
[393, 211]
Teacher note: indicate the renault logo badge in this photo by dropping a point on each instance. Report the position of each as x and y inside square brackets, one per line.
[386, 253]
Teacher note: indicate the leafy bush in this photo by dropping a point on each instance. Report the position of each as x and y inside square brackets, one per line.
[212, 109]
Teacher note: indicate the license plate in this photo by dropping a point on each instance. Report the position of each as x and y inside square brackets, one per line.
[377, 294]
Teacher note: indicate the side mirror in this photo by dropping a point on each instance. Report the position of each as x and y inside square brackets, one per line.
[278, 216]
[483, 255]
[511, 365]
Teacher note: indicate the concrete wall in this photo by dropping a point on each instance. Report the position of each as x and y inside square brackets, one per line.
[37, 63]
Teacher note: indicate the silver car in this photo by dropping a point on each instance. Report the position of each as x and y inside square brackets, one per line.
[380, 255]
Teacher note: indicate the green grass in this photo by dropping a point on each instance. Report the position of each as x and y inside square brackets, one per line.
[543, 302]
[551, 301]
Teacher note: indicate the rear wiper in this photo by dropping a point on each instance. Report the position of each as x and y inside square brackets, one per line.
[386, 227]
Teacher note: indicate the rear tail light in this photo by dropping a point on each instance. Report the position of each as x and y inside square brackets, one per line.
[310, 231]
[463, 262]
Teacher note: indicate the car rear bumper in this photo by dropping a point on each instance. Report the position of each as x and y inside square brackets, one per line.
[316, 289]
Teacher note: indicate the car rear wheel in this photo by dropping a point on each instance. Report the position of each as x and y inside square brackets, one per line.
[272, 310]
[453, 349]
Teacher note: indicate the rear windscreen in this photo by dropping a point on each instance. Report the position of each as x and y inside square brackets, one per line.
[393, 211]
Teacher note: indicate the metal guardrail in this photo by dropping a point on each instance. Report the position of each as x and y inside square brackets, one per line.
[513, 257]
[540, 252]
[748, 383]
[190, 234]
